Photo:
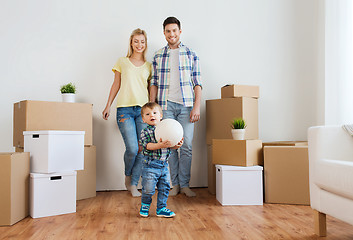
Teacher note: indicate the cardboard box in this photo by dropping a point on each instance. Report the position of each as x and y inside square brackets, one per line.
[285, 143]
[230, 91]
[239, 185]
[237, 152]
[220, 113]
[14, 185]
[211, 171]
[286, 170]
[40, 115]
[55, 151]
[86, 179]
[52, 194]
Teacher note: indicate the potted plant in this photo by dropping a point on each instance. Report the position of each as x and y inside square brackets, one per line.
[238, 128]
[68, 92]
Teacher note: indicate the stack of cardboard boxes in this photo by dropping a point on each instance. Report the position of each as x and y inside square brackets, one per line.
[236, 101]
[41, 115]
[15, 167]
[286, 173]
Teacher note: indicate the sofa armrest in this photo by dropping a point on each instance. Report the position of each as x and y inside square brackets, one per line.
[326, 142]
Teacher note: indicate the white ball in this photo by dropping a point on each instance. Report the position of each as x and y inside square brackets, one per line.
[169, 129]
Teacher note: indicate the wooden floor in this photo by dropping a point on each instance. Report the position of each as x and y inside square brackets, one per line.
[114, 215]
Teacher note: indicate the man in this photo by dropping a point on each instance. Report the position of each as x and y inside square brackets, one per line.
[176, 83]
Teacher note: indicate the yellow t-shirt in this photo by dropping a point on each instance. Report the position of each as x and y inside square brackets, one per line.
[134, 82]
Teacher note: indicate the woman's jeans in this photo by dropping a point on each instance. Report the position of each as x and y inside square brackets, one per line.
[130, 124]
[155, 173]
[180, 166]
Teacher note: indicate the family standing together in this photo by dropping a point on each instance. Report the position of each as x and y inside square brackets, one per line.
[170, 87]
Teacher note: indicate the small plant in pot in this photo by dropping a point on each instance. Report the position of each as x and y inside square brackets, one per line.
[68, 92]
[238, 128]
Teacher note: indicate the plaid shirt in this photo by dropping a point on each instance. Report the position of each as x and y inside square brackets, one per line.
[147, 136]
[190, 74]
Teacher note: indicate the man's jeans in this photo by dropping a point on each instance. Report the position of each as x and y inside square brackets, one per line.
[130, 124]
[155, 173]
[180, 166]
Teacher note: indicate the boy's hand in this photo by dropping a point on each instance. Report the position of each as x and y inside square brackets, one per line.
[179, 144]
[164, 144]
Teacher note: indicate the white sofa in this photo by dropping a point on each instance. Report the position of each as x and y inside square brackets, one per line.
[330, 175]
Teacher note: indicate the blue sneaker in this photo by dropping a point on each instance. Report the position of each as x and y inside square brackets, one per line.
[145, 208]
[165, 212]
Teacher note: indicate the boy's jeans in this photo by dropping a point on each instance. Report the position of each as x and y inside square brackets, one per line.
[155, 173]
[180, 168]
[130, 125]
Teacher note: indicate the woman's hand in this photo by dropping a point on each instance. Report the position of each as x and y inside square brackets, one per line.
[106, 113]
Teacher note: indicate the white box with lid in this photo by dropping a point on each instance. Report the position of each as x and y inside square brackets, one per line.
[237, 185]
[52, 194]
[55, 151]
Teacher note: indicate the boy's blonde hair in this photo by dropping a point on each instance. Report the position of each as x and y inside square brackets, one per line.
[137, 31]
[151, 105]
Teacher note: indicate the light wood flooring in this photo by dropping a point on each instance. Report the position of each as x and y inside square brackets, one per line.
[114, 215]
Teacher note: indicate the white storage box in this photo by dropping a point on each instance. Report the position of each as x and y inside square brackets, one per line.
[52, 194]
[239, 185]
[55, 151]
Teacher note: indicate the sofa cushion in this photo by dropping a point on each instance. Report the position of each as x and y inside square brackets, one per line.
[335, 176]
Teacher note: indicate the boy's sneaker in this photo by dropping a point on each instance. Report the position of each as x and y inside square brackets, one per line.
[165, 212]
[145, 208]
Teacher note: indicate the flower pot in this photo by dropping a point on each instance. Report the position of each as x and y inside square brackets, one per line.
[238, 134]
[68, 97]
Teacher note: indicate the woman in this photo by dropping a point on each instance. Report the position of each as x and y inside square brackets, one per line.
[131, 82]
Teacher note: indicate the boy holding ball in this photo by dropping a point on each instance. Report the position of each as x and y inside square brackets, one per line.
[155, 170]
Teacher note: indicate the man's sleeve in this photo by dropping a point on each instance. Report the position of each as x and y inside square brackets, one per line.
[154, 78]
[196, 71]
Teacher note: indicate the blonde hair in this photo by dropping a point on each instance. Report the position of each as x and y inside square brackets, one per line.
[137, 31]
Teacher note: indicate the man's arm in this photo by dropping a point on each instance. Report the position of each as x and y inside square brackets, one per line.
[154, 81]
[153, 93]
[195, 112]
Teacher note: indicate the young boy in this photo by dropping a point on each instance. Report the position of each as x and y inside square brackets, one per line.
[155, 170]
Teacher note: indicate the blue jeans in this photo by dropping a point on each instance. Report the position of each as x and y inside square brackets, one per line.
[155, 173]
[130, 125]
[180, 166]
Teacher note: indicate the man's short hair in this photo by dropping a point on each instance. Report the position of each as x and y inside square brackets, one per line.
[151, 105]
[171, 20]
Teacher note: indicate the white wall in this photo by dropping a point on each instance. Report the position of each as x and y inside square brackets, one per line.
[270, 43]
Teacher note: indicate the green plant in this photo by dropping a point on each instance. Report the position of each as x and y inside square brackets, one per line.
[68, 88]
[238, 123]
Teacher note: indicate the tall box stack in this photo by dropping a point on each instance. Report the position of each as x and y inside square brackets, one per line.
[60, 116]
[237, 101]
